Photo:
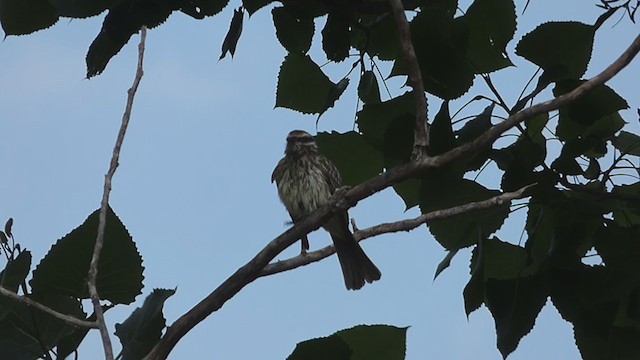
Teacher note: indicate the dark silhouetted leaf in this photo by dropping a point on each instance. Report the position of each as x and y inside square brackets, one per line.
[70, 343]
[471, 131]
[140, 332]
[576, 118]
[388, 127]
[333, 96]
[12, 277]
[445, 262]
[358, 343]
[20, 17]
[433, 31]
[627, 213]
[445, 191]
[562, 49]
[377, 36]
[325, 348]
[473, 292]
[335, 36]
[81, 9]
[25, 332]
[302, 86]
[593, 170]
[515, 305]
[64, 269]
[294, 29]
[356, 160]
[627, 143]
[368, 90]
[492, 24]
[375, 341]
[7, 227]
[3, 237]
[441, 138]
[119, 25]
[233, 35]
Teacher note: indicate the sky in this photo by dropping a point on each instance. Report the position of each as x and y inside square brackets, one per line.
[194, 190]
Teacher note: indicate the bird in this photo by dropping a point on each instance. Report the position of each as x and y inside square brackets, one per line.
[306, 179]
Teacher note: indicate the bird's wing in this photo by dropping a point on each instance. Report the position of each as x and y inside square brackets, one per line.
[277, 172]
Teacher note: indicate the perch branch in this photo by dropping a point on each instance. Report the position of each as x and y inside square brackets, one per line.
[251, 270]
[79, 323]
[421, 135]
[93, 268]
[403, 225]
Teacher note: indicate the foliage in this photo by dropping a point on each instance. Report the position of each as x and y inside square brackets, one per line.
[577, 211]
[382, 342]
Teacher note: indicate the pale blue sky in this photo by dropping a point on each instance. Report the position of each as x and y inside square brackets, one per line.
[194, 187]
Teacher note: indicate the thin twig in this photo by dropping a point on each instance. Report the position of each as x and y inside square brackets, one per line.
[421, 136]
[386, 228]
[93, 269]
[79, 323]
[251, 270]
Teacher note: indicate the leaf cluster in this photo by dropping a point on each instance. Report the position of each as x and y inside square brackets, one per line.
[59, 282]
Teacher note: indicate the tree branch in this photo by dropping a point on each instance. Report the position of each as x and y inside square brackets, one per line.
[421, 135]
[251, 270]
[402, 225]
[93, 268]
[71, 320]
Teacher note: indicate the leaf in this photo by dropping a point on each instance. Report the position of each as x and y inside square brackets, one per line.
[602, 343]
[627, 143]
[375, 341]
[64, 269]
[388, 128]
[294, 29]
[122, 21]
[13, 275]
[70, 343]
[627, 213]
[335, 36]
[593, 170]
[473, 292]
[471, 131]
[561, 49]
[25, 332]
[7, 227]
[445, 262]
[445, 191]
[492, 24]
[441, 138]
[302, 86]
[21, 17]
[434, 31]
[325, 348]
[515, 305]
[334, 95]
[377, 36]
[140, 332]
[80, 9]
[361, 342]
[3, 237]
[356, 160]
[233, 35]
[587, 110]
[368, 90]
[519, 159]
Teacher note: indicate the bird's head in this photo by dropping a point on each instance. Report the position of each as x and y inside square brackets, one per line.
[300, 142]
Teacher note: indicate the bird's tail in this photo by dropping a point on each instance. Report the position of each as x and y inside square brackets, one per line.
[356, 265]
